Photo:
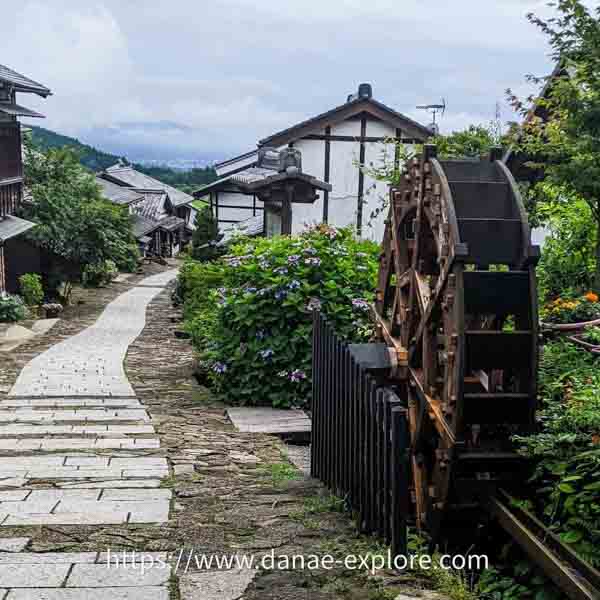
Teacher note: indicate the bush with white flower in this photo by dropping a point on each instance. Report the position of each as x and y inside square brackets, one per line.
[250, 313]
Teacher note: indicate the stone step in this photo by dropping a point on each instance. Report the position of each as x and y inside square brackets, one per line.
[28, 415]
[88, 443]
[9, 403]
[88, 429]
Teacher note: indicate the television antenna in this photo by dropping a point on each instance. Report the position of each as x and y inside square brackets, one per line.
[434, 109]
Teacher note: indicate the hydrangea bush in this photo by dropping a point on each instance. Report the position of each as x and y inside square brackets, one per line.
[250, 313]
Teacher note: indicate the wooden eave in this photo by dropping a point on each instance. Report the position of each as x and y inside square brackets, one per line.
[355, 108]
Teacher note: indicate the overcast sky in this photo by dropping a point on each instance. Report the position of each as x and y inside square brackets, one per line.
[211, 77]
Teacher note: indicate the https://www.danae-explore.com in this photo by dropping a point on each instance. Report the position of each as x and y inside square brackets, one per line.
[185, 560]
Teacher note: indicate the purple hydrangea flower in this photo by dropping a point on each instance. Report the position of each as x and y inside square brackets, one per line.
[280, 294]
[311, 251]
[294, 284]
[297, 375]
[263, 291]
[360, 304]
[294, 259]
[280, 271]
[313, 304]
[250, 290]
[219, 367]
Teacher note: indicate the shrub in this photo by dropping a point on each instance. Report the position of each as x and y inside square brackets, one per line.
[572, 310]
[205, 235]
[99, 274]
[250, 313]
[31, 289]
[12, 308]
[567, 449]
[567, 263]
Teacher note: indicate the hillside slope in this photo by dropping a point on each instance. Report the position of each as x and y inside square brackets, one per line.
[96, 160]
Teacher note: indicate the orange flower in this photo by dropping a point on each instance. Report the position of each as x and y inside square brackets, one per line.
[591, 297]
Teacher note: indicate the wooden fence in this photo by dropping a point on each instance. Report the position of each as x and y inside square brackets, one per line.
[360, 438]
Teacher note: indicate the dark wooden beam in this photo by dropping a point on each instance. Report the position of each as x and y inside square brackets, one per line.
[326, 173]
[397, 149]
[361, 175]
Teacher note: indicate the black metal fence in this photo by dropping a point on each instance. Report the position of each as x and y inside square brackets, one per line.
[360, 438]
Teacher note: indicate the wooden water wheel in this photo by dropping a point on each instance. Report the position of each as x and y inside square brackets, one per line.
[456, 302]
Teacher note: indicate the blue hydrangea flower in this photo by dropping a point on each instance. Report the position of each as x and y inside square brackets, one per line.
[266, 354]
[280, 271]
[219, 367]
[280, 294]
[294, 259]
[311, 251]
[293, 285]
[261, 334]
[313, 262]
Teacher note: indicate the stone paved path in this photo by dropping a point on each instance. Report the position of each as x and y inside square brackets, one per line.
[74, 443]
[91, 363]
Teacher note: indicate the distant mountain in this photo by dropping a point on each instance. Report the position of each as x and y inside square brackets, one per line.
[96, 161]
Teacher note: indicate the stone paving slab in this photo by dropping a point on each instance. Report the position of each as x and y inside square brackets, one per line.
[269, 420]
[110, 483]
[123, 593]
[62, 402]
[13, 544]
[26, 415]
[98, 576]
[103, 430]
[90, 443]
[33, 575]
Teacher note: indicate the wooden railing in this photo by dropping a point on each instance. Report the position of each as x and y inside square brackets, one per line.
[11, 195]
[359, 438]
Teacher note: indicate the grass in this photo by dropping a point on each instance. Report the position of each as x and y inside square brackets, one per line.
[199, 204]
[281, 472]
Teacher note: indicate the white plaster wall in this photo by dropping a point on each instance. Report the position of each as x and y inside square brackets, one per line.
[313, 163]
[376, 192]
[235, 214]
[343, 199]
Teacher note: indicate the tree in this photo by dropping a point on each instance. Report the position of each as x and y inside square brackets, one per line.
[561, 133]
[73, 220]
[471, 142]
[205, 235]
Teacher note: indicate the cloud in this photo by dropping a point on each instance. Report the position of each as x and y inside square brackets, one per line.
[225, 73]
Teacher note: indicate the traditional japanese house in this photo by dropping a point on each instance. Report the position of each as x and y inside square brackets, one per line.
[11, 168]
[334, 145]
[279, 184]
[163, 218]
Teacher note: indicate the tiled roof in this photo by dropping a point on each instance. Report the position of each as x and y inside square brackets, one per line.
[152, 206]
[118, 194]
[132, 178]
[16, 110]
[22, 83]
[251, 178]
[171, 223]
[252, 227]
[249, 175]
[11, 226]
[142, 226]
